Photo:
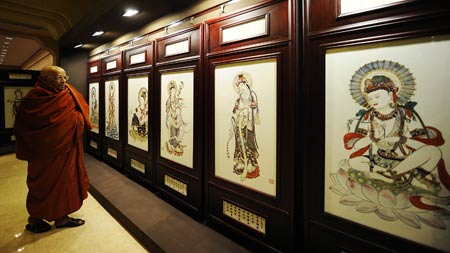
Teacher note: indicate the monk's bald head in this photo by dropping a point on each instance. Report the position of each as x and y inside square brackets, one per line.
[55, 76]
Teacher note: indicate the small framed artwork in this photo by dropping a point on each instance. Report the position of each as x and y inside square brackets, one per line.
[94, 106]
[112, 109]
[12, 97]
[350, 7]
[184, 44]
[245, 129]
[247, 29]
[111, 65]
[387, 137]
[178, 47]
[138, 57]
[177, 116]
[94, 68]
[138, 111]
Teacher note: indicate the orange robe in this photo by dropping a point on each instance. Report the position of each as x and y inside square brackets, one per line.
[49, 125]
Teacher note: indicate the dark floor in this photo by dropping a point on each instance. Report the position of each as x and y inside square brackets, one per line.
[157, 225]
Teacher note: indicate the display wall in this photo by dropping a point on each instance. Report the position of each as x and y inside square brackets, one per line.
[200, 118]
[376, 154]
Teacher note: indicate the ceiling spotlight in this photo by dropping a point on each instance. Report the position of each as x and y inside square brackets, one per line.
[79, 45]
[98, 33]
[8, 38]
[130, 12]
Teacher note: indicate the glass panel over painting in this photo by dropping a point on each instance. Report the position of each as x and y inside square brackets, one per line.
[138, 96]
[245, 124]
[112, 109]
[386, 145]
[12, 97]
[354, 6]
[177, 117]
[94, 106]
[245, 30]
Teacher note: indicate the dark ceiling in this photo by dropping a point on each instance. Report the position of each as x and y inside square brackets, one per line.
[110, 20]
[71, 22]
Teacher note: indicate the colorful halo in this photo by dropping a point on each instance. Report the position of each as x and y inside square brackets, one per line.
[399, 74]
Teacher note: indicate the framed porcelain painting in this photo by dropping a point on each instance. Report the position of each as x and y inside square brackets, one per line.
[349, 7]
[138, 114]
[387, 140]
[245, 124]
[112, 109]
[177, 117]
[94, 106]
[12, 97]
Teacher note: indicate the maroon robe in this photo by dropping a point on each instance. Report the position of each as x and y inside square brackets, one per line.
[49, 125]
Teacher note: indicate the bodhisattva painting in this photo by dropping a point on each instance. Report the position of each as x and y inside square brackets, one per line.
[112, 110]
[93, 106]
[13, 95]
[177, 117]
[395, 167]
[174, 122]
[244, 119]
[245, 124]
[138, 112]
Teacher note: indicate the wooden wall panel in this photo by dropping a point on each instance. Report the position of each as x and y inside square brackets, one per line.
[324, 30]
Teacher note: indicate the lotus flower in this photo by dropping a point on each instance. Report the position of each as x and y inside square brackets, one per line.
[388, 203]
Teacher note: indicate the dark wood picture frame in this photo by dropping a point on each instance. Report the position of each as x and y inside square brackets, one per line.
[262, 220]
[94, 69]
[321, 16]
[10, 78]
[111, 65]
[139, 62]
[138, 161]
[325, 232]
[368, 9]
[273, 208]
[191, 51]
[94, 140]
[275, 15]
[179, 182]
[112, 149]
[9, 85]
[145, 60]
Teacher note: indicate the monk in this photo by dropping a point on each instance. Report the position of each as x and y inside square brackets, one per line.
[49, 124]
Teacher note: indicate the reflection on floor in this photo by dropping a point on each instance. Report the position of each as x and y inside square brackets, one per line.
[101, 233]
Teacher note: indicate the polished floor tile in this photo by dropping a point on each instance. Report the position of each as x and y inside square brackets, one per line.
[101, 233]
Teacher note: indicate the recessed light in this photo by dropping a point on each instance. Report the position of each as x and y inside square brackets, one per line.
[130, 12]
[79, 45]
[8, 38]
[98, 33]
